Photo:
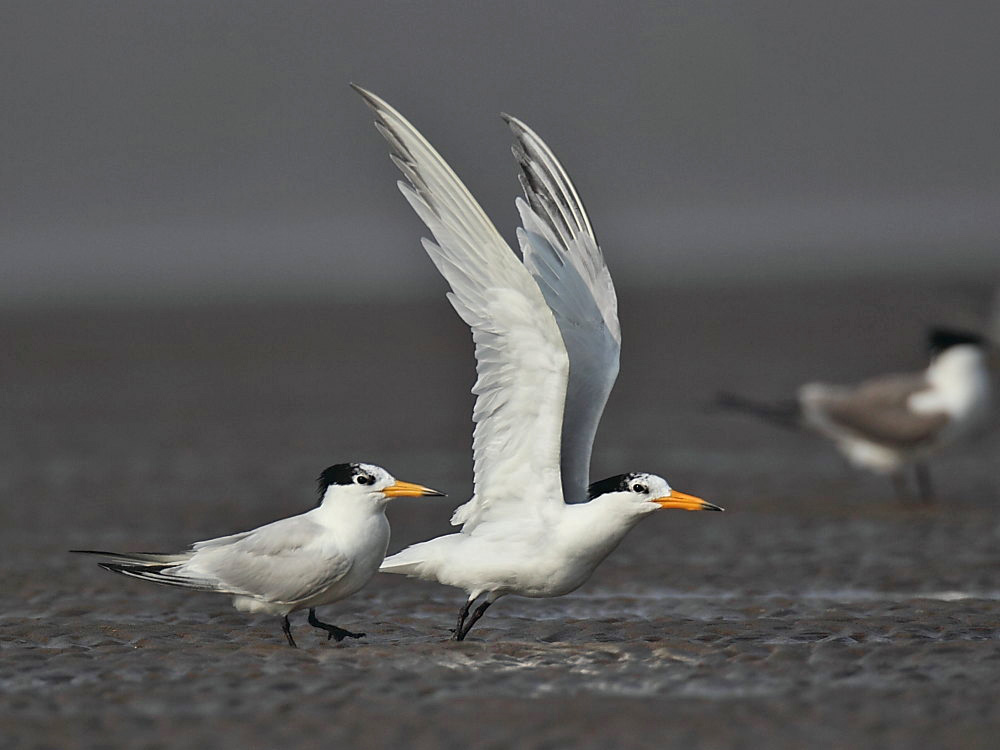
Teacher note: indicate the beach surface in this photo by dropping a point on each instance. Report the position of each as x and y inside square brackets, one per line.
[819, 611]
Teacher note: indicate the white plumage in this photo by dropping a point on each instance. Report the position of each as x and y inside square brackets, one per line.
[302, 562]
[547, 343]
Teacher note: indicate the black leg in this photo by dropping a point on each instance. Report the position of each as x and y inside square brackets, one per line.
[332, 630]
[456, 634]
[924, 484]
[473, 620]
[899, 485]
[287, 630]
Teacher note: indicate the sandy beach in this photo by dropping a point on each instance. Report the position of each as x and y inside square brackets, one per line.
[817, 612]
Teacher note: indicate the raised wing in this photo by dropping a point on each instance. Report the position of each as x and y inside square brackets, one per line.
[520, 357]
[562, 254]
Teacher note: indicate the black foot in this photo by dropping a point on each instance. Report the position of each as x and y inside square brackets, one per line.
[332, 631]
[460, 633]
[286, 628]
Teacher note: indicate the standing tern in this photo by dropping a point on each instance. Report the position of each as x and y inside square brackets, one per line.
[547, 344]
[302, 562]
[891, 422]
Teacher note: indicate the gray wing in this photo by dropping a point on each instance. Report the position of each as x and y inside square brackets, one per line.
[285, 561]
[879, 410]
[561, 252]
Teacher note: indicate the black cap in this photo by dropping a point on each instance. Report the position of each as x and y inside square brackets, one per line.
[337, 474]
[939, 339]
[617, 483]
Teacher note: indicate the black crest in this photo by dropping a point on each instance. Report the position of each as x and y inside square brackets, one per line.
[617, 483]
[940, 339]
[337, 474]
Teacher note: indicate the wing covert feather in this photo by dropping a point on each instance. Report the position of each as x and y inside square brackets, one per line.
[282, 561]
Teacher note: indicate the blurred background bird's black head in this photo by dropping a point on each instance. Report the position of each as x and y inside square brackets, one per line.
[940, 338]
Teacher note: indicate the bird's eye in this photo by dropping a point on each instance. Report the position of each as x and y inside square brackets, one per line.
[364, 479]
[640, 488]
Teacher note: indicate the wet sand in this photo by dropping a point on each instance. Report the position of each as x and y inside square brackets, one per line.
[817, 612]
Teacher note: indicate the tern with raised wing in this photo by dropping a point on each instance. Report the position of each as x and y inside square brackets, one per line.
[547, 344]
[302, 562]
[891, 422]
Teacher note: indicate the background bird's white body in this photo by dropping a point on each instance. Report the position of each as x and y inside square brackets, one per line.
[961, 387]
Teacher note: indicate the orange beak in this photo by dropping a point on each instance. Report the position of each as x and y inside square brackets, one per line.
[407, 489]
[680, 501]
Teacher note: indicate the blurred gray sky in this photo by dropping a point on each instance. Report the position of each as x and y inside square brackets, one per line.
[213, 149]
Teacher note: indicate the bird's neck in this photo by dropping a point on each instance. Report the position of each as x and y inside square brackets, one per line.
[337, 509]
[357, 525]
[591, 531]
[960, 379]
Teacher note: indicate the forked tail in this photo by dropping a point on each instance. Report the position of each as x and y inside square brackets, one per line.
[150, 566]
[401, 563]
[786, 414]
[424, 560]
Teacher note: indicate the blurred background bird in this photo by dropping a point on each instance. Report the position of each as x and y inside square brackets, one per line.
[890, 423]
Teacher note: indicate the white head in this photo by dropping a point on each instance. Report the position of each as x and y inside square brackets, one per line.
[959, 372]
[955, 350]
[362, 482]
[958, 361]
[637, 494]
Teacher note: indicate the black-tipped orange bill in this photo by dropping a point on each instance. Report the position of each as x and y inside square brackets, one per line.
[680, 501]
[407, 489]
